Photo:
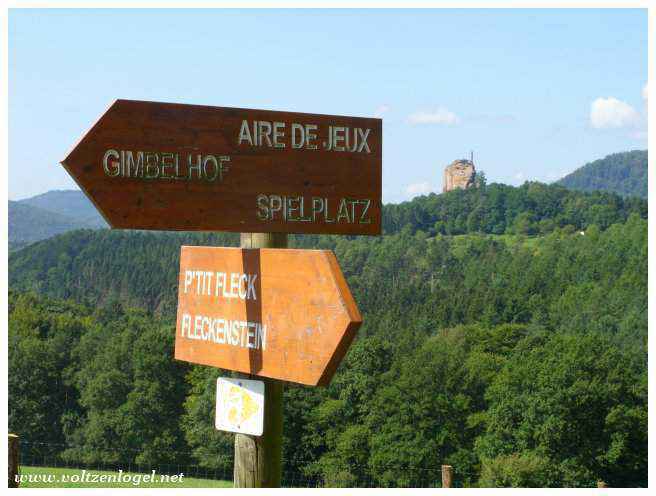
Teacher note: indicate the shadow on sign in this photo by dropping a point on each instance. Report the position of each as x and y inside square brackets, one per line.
[252, 265]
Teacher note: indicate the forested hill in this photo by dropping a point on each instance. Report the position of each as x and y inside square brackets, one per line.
[28, 224]
[517, 356]
[623, 173]
[498, 208]
[52, 213]
[102, 266]
[141, 267]
[519, 361]
[71, 203]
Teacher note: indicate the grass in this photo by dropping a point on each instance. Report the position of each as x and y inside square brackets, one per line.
[461, 241]
[514, 239]
[62, 477]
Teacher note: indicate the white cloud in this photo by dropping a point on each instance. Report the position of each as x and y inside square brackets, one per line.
[519, 176]
[416, 189]
[645, 92]
[440, 115]
[382, 110]
[612, 113]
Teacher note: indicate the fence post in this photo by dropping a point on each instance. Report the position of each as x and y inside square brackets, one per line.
[447, 475]
[12, 456]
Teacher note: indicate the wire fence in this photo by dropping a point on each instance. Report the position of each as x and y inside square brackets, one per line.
[295, 471]
[35, 454]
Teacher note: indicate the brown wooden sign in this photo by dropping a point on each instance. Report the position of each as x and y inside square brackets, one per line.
[279, 313]
[148, 165]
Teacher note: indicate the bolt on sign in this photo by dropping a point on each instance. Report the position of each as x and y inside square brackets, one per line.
[280, 313]
[165, 166]
[240, 406]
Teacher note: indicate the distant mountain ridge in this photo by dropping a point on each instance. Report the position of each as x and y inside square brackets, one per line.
[28, 224]
[55, 212]
[49, 214]
[71, 203]
[622, 173]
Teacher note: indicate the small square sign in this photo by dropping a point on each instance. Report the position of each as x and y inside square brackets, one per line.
[240, 406]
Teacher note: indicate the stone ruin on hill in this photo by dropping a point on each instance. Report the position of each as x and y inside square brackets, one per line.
[460, 174]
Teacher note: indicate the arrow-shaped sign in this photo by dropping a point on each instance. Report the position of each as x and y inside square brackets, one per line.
[278, 313]
[148, 165]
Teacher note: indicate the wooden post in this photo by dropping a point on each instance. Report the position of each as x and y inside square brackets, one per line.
[447, 475]
[258, 459]
[13, 457]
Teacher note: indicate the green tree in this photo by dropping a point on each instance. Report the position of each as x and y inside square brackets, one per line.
[42, 334]
[579, 402]
[131, 393]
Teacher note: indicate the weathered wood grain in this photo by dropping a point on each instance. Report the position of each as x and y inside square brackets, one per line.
[306, 315]
[339, 191]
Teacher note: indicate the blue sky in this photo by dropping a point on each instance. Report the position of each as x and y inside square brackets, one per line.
[535, 93]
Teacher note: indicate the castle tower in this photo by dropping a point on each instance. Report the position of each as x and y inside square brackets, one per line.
[460, 174]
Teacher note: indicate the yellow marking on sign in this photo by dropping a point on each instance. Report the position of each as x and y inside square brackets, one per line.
[241, 406]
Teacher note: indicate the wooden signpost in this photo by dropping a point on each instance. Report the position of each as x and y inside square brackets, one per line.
[277, 314]
[167, 166]
[282, 314]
